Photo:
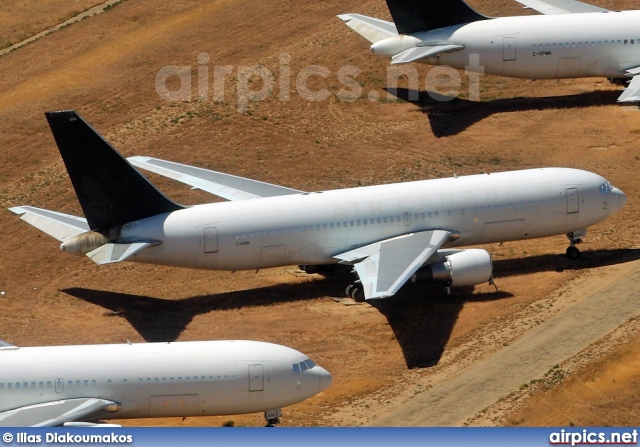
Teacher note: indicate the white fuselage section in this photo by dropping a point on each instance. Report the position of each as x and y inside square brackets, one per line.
[161, 379]
[312, 228]
[543, 46]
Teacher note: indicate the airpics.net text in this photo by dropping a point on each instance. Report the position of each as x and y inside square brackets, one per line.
[257, 83]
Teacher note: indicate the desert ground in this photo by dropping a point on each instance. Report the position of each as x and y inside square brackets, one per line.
[557, 344]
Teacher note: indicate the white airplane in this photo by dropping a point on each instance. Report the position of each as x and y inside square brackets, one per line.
[80, 385]
[572, 40]
[388, 233]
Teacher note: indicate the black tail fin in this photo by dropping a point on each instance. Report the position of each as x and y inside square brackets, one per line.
[412, 16]
[110, 190]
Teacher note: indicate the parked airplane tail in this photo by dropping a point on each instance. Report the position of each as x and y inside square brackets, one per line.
[110, 190]
[412, 16]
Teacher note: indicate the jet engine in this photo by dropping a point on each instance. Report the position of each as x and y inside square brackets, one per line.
[460, 269]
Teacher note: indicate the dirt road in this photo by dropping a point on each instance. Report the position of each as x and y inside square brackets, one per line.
[592, 307]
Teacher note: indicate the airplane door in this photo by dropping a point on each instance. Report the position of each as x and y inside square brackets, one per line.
[211, 240]
[573, 201]
[509, 48]
[407, 219]
[256, 378]
[59, 385]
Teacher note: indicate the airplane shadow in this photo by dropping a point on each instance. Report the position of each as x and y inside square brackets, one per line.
[559, 263]
[421, 316]
[452, 117]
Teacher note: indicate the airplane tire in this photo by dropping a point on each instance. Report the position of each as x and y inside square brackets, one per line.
[357, 294]
[573, 253]
[348, 290]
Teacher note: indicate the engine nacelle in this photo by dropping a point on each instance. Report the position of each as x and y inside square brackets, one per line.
[394, 45]
[464, 268]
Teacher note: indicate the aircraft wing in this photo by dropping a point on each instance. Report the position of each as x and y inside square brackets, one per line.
[227, 186]
[383, 267]
[49, 414]
[632, 92]
[371, 29]
[60, 226]
[560, 6]
[418, 52]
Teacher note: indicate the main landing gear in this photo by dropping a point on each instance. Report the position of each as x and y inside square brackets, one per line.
[574, 239]
[354, 291]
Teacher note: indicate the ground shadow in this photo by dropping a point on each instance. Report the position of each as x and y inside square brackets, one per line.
[157, 319]
[421, 316]
[449, 118]
[422, 320]
[560, 263]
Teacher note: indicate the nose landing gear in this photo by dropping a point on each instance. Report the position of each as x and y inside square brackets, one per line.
[574, 239]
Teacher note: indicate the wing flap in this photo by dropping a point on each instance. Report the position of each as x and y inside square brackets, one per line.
[227, 186]
[632, 92]
[374, 30]
[58, 225]
[49, 414]
[560, 6]
[111, 253]
[420, 52]
[383, 267]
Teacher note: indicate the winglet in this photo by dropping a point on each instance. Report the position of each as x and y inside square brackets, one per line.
[110, 190]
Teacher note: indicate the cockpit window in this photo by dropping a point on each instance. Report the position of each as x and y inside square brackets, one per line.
[299, 368]
[606, 188]
[309, 363]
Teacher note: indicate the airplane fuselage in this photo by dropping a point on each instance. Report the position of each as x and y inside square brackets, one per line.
[544, 46]
[161, 379]
[312, 228]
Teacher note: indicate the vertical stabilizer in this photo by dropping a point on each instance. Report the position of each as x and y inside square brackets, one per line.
[412, 16]
[110, 190]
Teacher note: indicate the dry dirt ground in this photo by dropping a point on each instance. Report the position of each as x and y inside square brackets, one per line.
[385, 358]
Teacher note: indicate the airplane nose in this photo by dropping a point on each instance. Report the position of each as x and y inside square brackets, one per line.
[324, 378]
[622, 198]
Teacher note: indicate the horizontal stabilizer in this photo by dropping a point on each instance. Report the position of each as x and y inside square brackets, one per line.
[60, 226]
[50, 414]
[417, 53]
[374, 30]
[383, 267]
[560, 6]
[110, 253]
[227, 186]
